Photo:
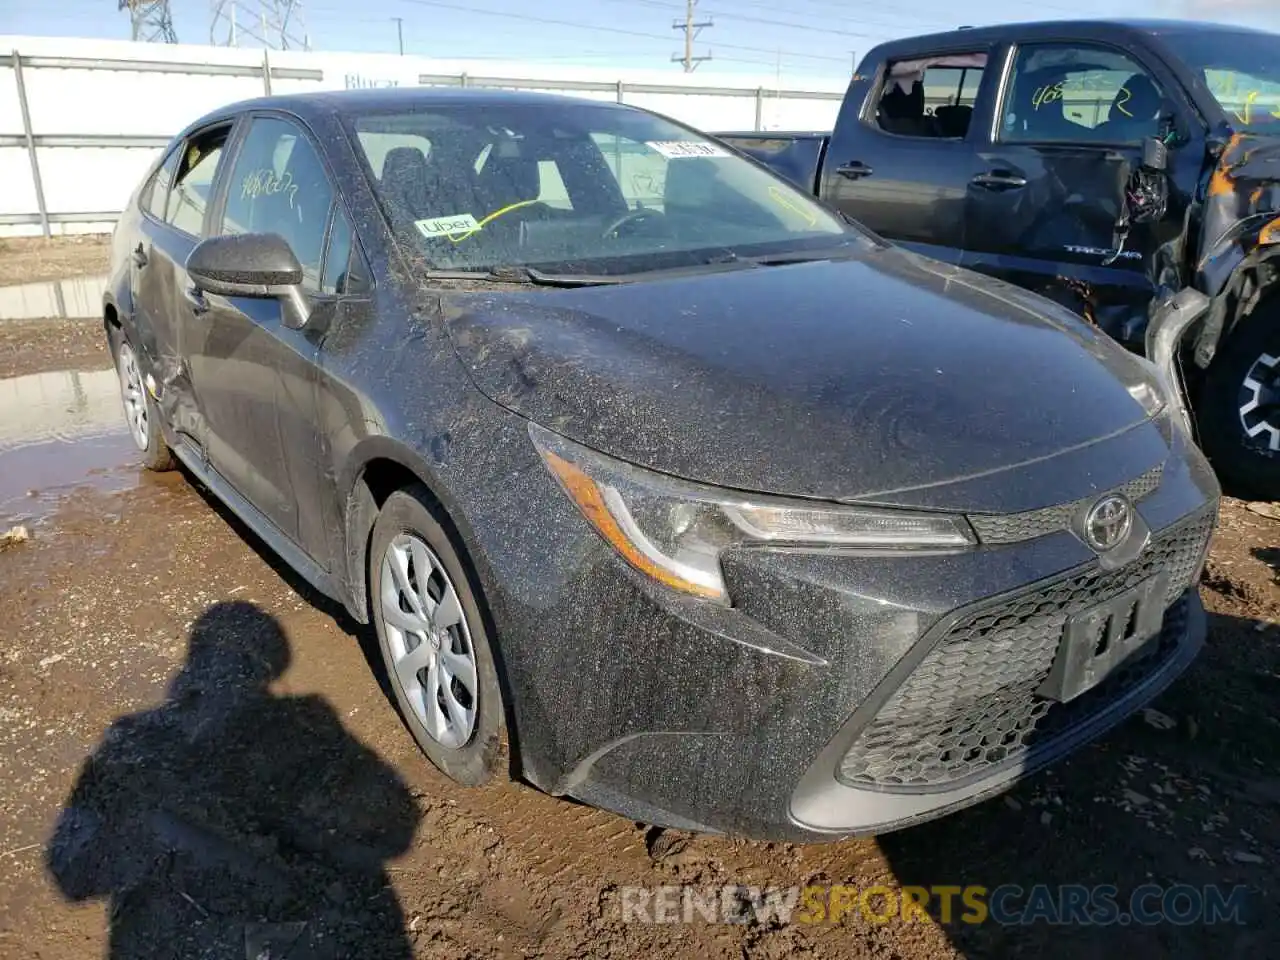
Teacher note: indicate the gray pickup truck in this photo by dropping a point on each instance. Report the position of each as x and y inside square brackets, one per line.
[1129, 170]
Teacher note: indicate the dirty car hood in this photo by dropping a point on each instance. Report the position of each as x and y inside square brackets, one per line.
[843, 380]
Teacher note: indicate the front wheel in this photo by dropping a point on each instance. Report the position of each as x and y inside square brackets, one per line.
[140, 411]
[433, 640]
[1239, 413]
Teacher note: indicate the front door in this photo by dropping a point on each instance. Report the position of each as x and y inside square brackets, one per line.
[256, 379]
[900, 159]
[1043, 209]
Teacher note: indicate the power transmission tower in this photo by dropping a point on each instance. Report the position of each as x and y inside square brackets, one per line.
[275, 24]
[150, 20]
[691, 30]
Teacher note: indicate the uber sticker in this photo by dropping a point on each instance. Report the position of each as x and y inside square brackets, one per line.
[447, 226]
[674, 149]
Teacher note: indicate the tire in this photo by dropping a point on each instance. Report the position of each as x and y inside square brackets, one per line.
[141, 414]
[1245, 371]
[448, 694]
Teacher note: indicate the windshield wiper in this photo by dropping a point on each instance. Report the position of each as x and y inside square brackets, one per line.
[511, 273]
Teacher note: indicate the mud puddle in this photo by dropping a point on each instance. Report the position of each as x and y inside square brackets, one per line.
[71, 297]
[60, 432]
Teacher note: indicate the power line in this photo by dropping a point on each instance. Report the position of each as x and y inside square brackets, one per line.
[439, 4]
[691, 30]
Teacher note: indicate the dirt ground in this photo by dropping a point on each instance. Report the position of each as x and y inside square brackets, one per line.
[187, 733]
[24, 260]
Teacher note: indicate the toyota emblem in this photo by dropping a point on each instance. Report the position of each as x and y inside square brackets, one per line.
[1108, 523]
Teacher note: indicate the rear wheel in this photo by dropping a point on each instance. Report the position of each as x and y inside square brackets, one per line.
[140, 411]
[1239, 412]
[433, 640]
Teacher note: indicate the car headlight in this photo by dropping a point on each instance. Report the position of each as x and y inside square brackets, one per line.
[674, 531]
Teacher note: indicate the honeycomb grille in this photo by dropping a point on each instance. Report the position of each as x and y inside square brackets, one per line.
[1016, 527]
[971, 704]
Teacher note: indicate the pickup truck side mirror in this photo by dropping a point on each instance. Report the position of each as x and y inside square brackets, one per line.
[258, 265]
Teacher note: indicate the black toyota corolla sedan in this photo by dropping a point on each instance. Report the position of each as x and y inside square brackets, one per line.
[663, 486]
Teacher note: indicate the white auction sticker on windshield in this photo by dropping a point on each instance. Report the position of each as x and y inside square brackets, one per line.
[674, 149]
[447, 226]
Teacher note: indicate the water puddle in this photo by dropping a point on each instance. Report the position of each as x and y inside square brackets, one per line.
[73, 297]
[60, 432]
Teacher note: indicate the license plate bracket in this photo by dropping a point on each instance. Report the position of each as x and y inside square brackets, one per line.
[1097, 640]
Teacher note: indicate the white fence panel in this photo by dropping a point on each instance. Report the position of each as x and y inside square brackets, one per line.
[99, 110]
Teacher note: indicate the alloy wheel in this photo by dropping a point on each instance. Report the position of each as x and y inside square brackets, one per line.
[1259, 402]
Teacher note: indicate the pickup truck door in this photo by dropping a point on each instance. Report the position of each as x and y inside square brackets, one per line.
[1043, 207]
[900, 158]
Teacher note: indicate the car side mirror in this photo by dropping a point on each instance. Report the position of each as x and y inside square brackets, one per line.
[258, 265]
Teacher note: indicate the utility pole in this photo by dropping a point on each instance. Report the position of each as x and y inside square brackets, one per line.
[691, 30]
[854, 55]
[400, 32]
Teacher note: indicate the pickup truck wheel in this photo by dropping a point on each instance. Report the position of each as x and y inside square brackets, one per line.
[140, 411]
[1239, 412]
[433, 640]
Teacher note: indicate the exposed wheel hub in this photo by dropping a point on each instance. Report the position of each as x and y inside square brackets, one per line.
[1259, 401]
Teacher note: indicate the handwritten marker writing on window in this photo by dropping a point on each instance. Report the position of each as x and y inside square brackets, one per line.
[264, 183]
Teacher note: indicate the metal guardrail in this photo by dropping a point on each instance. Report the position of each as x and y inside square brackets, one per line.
[621, 88]
[32, 141]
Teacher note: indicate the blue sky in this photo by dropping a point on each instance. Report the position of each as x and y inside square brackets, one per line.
[808, 37]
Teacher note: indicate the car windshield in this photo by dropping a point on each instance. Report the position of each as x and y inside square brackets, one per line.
[575, 188]
[1241, 70]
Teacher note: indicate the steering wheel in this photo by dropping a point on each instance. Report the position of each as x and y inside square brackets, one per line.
[631, 216]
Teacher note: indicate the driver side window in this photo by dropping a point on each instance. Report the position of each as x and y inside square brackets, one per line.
[1080, 93]
[279, 185]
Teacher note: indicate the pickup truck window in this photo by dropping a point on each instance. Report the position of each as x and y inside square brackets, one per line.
[1241, 70]
[588, 189]
[1079, 93]
[931, 97]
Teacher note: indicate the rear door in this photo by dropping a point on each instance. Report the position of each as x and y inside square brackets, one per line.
[1042, 212]
[172, 224]
[255, 375]
[902, 155]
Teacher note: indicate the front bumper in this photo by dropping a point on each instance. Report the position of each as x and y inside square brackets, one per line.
[842, 693]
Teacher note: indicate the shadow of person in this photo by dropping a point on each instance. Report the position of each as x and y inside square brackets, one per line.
[230, 822]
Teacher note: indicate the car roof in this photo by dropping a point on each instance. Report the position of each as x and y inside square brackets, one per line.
[342, 102]
[1040, 28]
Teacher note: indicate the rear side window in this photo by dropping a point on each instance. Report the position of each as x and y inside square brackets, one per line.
[279, 185]
[193, 182]
[1080, 93]
[156, 195]
[930, 96]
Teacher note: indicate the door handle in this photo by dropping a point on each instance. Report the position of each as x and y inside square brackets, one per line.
[195, 299]
[139, 256]
[855, 170]
[999, 180]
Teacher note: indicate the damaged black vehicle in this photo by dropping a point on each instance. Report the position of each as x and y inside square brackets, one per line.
[663, 486]
[1129, 170]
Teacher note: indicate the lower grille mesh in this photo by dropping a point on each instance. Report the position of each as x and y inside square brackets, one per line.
[971, 703]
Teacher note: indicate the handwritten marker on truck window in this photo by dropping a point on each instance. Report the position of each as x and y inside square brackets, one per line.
[450, 226]
[674, 149]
